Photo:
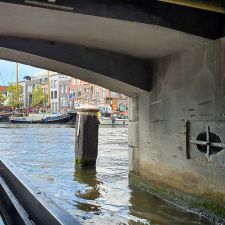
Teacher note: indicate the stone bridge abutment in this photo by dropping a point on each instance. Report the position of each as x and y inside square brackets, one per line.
[177, 130]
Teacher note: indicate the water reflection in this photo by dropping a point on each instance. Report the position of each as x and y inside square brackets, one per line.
[99, 195]
[88, 177]
[159, 212]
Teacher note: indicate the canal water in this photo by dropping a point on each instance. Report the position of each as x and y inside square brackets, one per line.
[97, 196]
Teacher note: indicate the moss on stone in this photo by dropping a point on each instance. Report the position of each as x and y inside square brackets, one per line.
[85, 162]
[210, 209]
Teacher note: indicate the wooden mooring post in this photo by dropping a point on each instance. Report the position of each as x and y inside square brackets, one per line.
[86, 137]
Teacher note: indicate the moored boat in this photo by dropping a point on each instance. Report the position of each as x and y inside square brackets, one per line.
[31, 118]
[58, 119]
[109, 121]
[4, 117]
[5, 113]
[24, 120]
[42, 118]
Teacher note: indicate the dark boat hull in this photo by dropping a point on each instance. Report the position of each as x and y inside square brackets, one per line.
[58, 119]
[4, 118]
[25, 121]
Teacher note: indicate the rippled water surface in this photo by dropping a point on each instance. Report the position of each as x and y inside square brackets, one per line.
[96, 196]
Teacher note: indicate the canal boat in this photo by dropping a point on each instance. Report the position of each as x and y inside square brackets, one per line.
[30, 118]
[4, 117]
[108, 121]
[22, 202]
[73, 114]
[25, 119]
[5, 113]
[58, 119]
[44, 118]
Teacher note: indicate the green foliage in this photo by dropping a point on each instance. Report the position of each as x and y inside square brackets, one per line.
[11, 95]
[2, 98]
[38, 96]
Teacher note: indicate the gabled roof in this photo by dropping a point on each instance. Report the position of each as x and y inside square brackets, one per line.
[3, 88]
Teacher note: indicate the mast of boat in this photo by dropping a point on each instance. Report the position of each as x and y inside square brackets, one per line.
[49, 97]
[17, 84]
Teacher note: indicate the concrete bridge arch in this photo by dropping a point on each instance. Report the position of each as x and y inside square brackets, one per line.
[152, 54]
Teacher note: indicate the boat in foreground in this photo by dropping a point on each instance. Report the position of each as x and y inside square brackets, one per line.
[23, 203]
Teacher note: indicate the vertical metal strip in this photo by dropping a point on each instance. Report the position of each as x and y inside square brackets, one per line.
[188, 136]
[208, 141]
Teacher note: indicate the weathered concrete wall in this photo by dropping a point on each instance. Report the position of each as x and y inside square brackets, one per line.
[133, 136]
[189, 86]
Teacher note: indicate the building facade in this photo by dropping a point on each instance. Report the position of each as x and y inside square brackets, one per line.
[81, 92]
[59, 92]
[66, 92]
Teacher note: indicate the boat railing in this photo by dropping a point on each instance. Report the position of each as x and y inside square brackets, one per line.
[22, 203]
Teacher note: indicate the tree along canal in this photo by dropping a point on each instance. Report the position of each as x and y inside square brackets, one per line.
[97, 196]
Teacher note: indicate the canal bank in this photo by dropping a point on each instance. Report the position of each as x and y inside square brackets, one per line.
[97, 196]
[210, 210]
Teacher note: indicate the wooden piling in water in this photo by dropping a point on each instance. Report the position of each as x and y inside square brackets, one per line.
[86, 137]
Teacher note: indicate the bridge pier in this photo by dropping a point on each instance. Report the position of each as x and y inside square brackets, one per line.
[177, 131]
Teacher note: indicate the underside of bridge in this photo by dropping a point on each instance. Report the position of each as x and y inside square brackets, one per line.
[168, 56]
[112, 43]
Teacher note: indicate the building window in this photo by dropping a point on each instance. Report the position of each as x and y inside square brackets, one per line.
[62, 89]
[55, 94]
[51, 94]
[54, 83]
[103, 92]
[51, 83]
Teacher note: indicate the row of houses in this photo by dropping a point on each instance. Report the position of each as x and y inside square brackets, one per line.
[67, 92]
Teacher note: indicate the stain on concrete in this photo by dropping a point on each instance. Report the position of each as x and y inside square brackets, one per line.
[190, 92]
[157, 120]
[204, 103]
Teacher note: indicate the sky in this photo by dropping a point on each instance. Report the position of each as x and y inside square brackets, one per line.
[8, 71]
